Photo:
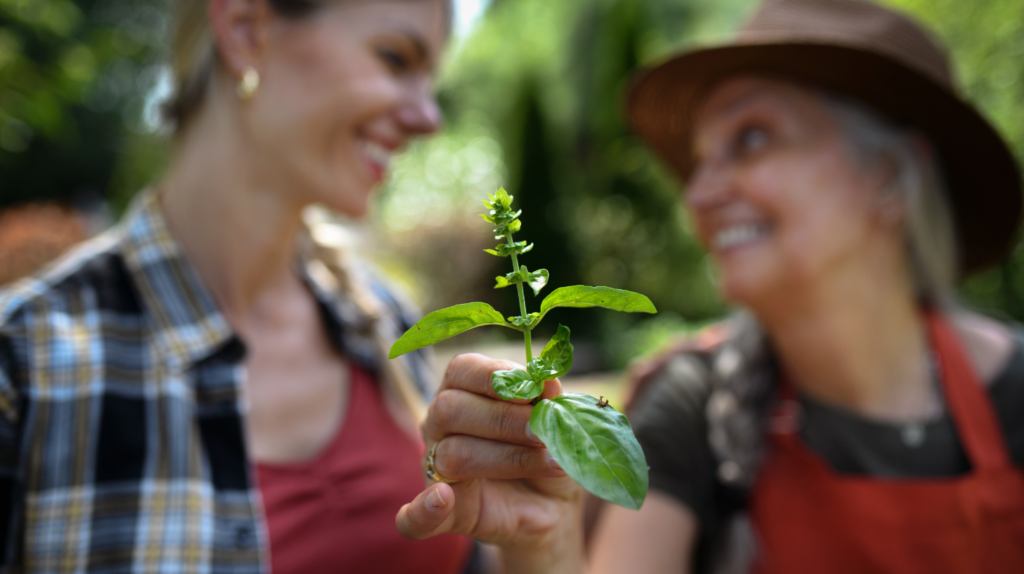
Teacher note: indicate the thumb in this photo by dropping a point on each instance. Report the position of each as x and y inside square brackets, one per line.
[428, 514]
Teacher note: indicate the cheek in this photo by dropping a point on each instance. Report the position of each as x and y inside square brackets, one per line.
[820, 214]
[323, 81]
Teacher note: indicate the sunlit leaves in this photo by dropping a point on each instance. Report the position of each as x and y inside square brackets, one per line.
[584, 296]
[501, 215]
[506, 249]
[536, 279]
[594, 445]
[589, 439]
[558, 353]
[516, 384]
[445, 323]
[521, 323]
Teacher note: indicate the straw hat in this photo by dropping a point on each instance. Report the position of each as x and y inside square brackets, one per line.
[872, 54]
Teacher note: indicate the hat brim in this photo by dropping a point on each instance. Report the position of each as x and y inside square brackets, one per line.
[981, 174]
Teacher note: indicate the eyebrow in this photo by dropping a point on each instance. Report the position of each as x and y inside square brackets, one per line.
[418, 42]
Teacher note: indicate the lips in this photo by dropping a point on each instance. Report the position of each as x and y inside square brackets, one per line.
[377, 156]
[738, 235]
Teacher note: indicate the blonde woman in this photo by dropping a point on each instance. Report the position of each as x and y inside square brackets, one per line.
[854, 418]
[203, 389]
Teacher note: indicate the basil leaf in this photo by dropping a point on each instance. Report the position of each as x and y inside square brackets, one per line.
[540, 370]
[584, 296]
[445, 323]
[594, 445]
[558, 352]
[516, 384]
[537, 280]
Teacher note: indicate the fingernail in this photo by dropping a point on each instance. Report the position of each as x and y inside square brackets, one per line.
[551, 460]
[530, 435]
[435, 501]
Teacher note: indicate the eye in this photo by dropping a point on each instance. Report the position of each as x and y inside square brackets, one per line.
[751, 139]
[395, 60]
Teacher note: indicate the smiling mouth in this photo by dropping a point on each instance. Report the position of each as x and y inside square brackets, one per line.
[376, 153]
[738, 235]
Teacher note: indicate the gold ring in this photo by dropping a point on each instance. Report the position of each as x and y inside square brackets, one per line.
[432, 473]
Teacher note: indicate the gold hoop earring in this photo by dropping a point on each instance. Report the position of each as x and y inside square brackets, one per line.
[249, 84]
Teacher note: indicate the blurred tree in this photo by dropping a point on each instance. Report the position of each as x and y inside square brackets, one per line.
[987, 43]
[551, 76]
[74, 77]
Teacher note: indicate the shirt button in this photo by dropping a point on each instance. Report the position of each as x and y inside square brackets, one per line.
[243, 537]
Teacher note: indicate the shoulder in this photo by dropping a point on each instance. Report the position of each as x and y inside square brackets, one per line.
[92, 274]
[989, 343]
[680, 374]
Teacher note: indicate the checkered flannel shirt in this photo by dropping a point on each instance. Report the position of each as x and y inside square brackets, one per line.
[121, 419]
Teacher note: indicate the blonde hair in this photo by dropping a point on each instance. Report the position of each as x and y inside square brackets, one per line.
[194, 53]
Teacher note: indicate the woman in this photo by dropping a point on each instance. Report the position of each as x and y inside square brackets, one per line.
[202, 388]
[854, 418]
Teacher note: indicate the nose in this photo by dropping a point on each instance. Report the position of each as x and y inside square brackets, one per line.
[421, 114]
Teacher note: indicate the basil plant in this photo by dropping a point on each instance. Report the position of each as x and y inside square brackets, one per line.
[588, 438]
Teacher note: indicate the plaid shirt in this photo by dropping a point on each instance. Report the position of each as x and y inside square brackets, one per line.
[121, 419]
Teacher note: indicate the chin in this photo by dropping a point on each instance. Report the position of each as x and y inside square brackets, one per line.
[744, 289]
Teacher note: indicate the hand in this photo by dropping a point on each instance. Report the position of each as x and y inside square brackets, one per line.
[510, 492]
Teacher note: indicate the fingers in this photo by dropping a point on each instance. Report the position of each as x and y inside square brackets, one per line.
[429, 514]
[472, 372]
[457, 412]
[464, 457]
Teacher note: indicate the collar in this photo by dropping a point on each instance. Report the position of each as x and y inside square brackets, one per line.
[187, 324]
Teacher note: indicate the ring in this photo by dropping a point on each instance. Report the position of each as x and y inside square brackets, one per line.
[432, 470]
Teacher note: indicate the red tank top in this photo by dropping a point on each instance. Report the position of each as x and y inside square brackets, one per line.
[336, 512]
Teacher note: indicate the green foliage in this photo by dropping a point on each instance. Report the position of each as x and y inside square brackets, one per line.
[583, 296]
[445, 323]
[986, 40]
[518, 384]
[595, 445]
[74, 75]
[591, 441]
[536, 280]
[558, 353]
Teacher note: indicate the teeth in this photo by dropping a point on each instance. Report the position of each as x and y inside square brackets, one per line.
[378, 153]
[738, 235]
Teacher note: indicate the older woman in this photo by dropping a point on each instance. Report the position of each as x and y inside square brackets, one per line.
[203, 388]
[854, 418]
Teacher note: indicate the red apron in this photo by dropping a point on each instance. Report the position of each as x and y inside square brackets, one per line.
[808, 518]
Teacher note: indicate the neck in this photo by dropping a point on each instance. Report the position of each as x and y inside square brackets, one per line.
[857, 341]
[236, 227]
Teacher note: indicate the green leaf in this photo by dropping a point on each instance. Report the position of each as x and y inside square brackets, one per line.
[505, 249]
[537, 280]
[558, 353]
[521, 323]
[584, 296]
[516, 384]
[445, 323]
[594, 445]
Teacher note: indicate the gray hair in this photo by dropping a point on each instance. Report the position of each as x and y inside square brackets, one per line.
[745, 367]
[928, 228]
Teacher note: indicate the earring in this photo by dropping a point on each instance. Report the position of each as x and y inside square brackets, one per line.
[249, 84]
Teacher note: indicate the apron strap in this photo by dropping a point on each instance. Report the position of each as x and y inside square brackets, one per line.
[967, 399]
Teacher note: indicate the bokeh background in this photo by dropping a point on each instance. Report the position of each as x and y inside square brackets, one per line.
[532, 92]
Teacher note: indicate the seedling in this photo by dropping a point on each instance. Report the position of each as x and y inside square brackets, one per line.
[589, 439]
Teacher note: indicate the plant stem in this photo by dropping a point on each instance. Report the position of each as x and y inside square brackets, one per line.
[522, 302]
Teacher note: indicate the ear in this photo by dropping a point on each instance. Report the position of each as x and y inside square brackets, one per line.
[890, 209]
[239, 29]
